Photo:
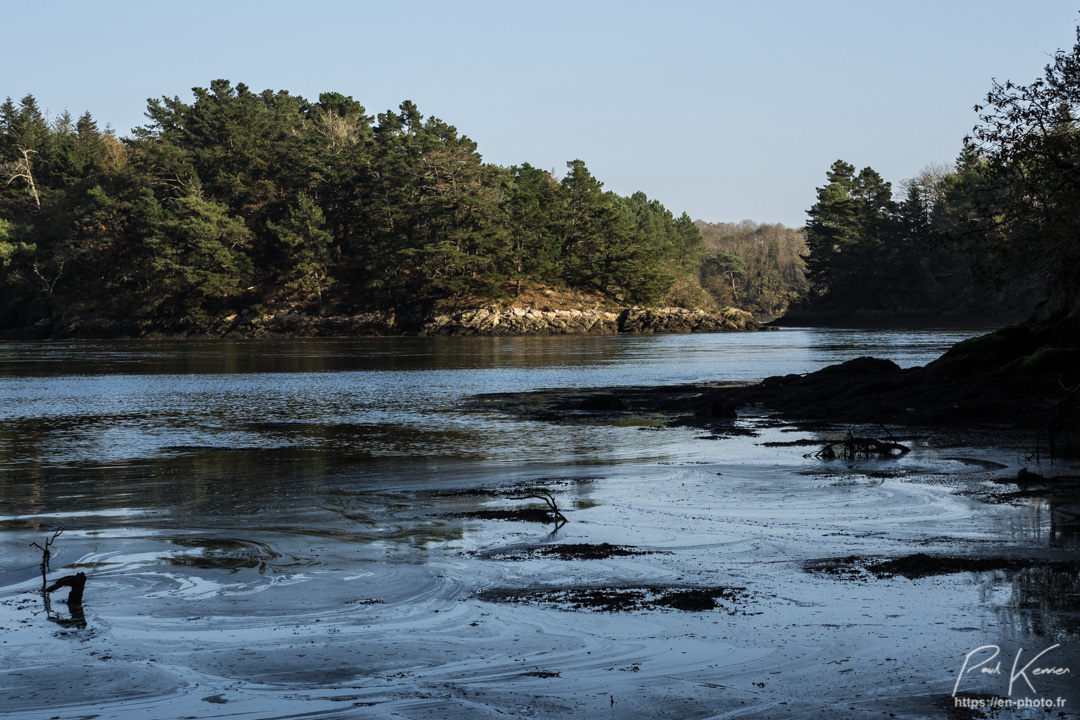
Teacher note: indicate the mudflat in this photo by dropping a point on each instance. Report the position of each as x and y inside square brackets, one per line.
[786, 586]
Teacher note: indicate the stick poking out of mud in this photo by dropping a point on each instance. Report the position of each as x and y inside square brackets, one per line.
[76, 582]
[46, 555]
[553, 508]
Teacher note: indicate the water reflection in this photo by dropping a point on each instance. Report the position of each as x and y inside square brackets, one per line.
[233, 556]
[344, 478]
[1065, 523]
[804, 349]
[76, 617]
[89, 403]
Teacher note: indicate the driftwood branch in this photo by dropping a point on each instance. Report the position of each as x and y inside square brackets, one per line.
[76, 582]
[852, 447]
[46, 555]
[74, 601]
[553, 507]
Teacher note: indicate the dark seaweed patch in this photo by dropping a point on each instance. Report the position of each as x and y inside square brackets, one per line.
[731, 600]
[534, 515]
[921, 565]
[575, 551]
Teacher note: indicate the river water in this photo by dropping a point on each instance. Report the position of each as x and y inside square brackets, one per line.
[78, 404]
[288, 527]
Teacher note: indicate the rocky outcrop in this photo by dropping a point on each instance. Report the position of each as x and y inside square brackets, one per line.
[512, 321]
[521, 321]
[680, 320]
[472, 321]
[960, 389]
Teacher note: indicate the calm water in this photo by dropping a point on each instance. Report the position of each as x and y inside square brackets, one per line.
[93, 404]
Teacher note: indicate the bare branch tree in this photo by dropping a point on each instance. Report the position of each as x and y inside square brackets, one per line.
[553, 508]
[46, 555]
[47, 286]
[21, 169]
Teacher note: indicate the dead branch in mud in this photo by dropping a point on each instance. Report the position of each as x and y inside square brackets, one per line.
[553, 507]
[76, 582]
[852, 447]
[46, 555]
[74, 601]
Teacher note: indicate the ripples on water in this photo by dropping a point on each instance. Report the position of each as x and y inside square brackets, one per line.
[277, 525]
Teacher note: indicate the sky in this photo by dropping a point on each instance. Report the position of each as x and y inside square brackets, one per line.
[723, 110]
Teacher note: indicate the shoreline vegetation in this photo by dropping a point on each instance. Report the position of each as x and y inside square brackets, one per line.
[1011, 211]
[266, 204]
[249, 214]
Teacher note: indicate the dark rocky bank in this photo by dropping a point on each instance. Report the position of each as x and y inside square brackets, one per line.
[1024, 377]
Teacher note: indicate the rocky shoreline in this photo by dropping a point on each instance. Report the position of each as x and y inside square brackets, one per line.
[1043, 408]
[472, 321]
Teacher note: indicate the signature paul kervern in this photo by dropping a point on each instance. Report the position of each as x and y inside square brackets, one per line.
[1029, 670]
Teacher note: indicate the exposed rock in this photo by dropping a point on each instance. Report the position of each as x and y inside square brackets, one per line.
[681, 320]
[471, 321]
[722, 408]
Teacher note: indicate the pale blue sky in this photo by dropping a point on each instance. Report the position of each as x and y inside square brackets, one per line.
[725, 110]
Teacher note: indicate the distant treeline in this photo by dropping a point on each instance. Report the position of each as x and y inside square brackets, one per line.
[760, 268]
[242, 199]
[997, 232]
[874, 255]
[265, 201]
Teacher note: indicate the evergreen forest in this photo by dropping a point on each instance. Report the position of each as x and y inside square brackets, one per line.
[266, 200]
[241, 200]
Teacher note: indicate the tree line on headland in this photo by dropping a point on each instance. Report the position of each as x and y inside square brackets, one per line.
[241, 200]
[1011, 211]
[266, 200]
[1007, 215]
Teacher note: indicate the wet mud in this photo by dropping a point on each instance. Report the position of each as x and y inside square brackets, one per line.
[574, 551]
[731, 600]
[737, 579]
[921, 565]
[949, 393]
[529, 515]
